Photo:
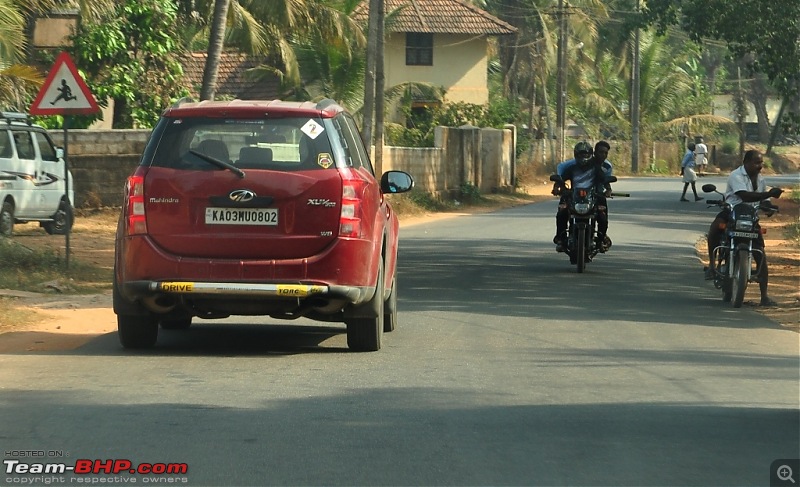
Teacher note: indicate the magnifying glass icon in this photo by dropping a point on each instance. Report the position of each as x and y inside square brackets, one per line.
[785, 473]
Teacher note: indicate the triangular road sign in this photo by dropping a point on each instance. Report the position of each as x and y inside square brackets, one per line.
[64, 92]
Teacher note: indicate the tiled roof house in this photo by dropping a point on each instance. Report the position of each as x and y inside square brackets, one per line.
[442, 42]
[232, 79]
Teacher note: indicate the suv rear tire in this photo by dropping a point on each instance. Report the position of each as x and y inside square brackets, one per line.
[365, 334]
[390, 309]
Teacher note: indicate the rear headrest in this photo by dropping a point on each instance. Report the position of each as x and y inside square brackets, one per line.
[255, 155]
[214, 148]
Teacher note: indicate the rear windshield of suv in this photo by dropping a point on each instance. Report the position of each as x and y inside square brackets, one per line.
[282, 144]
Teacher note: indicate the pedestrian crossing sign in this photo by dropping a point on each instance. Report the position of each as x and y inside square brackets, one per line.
[64, 92]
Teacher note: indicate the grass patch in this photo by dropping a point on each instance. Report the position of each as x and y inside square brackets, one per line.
[794, 193]
[416, 203]
[14, 317]
[44, 270]
[792, 232]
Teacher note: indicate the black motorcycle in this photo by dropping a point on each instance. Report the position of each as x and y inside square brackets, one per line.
[735, 262]
[582, 229]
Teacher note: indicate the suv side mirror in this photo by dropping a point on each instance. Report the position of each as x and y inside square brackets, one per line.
[396, 182]
[59, 152]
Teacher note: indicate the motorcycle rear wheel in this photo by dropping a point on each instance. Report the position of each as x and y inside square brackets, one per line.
[741, 264]
[580, 250]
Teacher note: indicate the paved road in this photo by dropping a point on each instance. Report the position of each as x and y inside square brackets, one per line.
[507, 368]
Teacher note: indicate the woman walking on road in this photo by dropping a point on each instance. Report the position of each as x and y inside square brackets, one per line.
[687, 171]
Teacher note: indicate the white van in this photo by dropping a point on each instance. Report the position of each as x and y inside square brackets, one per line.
[32, 183]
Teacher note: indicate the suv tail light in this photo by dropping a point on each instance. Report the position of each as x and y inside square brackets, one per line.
[352, 191]
[134, 205]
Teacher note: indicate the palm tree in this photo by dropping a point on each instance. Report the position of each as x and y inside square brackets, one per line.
[12, 32]
[18, 81]
[215, 43]
[273, 29]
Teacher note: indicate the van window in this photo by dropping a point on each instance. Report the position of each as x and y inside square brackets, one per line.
[24, 144]
[5, 145]
[46, 148]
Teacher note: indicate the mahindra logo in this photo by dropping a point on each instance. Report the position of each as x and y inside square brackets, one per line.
[241, 195]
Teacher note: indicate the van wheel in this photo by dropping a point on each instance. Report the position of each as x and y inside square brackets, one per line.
[365, 332]
[137, 331]
[6, 219]
[62, 220]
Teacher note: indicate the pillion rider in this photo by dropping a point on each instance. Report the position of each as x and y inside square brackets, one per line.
[588, 168]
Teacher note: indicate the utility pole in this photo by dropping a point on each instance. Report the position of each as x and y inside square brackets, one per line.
[561, 82]
[635, 100]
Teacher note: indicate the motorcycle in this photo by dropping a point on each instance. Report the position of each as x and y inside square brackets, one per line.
[581, 231]
[735, 262]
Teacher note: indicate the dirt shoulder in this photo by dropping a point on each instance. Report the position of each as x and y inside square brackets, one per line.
[62, 321]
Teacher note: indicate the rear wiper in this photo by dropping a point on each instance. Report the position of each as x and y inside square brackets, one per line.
[217, 162]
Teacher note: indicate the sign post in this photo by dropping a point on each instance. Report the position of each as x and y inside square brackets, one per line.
[64, 93]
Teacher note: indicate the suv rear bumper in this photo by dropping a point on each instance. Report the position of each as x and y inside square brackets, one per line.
[140, 289]
[285, 300]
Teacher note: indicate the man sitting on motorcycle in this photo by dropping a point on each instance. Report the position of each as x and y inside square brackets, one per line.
[587, 169]
[745, 185]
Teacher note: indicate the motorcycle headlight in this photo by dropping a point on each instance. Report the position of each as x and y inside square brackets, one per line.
[582, 208]
[744, 224]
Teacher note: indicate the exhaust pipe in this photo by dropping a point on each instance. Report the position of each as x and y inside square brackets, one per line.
[160, 303]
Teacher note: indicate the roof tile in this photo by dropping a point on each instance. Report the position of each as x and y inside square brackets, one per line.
[437, 17]
[232, 80]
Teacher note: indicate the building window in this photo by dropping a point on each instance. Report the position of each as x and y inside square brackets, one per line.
[419, 49]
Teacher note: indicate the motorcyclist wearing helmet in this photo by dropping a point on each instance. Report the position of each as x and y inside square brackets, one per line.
[588, 168]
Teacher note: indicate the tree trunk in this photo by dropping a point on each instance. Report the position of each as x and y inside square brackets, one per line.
[380, 86]
[122, 119]
[369, 74]
[757, 94]
[215, 44]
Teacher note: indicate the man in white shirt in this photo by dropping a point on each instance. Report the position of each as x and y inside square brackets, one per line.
[700, 155]
[745, 185]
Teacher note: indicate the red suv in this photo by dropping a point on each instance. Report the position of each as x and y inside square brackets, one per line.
[257, 208]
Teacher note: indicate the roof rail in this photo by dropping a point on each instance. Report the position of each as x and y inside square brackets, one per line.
[15, 117]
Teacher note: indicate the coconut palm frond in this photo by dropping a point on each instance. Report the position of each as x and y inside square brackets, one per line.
[12, 32]
[18, 85]
[415, 91]
[247, 32]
